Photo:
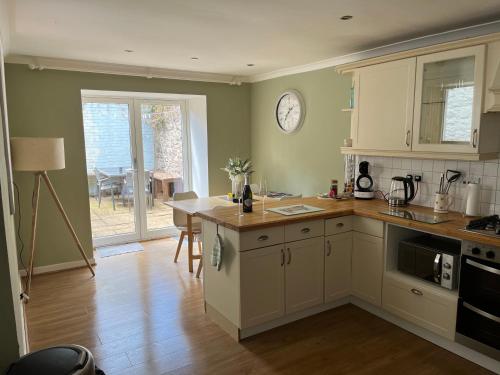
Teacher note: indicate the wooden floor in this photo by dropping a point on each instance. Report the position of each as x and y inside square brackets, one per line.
[143, 314]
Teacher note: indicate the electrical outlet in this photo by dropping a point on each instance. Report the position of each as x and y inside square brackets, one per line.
[418, 178]
[410, 176]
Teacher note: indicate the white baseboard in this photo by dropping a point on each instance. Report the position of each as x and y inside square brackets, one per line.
[454, 347]
[58, 267]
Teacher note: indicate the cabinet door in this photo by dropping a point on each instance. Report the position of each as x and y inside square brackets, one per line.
[384, 111]
[367, 264]
[448, 99]
[262, 285]
[338, 266]
[304, 274]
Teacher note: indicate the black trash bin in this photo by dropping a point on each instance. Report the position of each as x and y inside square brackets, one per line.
[58, 360]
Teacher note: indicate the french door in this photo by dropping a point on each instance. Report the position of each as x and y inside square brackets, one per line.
[137, 153]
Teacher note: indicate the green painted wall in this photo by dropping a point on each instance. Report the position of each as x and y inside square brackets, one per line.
[47, 103]
[304, 162]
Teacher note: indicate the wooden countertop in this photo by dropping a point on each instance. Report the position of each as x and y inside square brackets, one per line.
[227, 217]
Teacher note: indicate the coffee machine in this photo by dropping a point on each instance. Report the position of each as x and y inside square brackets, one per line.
[364, 183]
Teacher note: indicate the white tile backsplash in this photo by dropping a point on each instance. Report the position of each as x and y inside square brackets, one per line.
[382, 169]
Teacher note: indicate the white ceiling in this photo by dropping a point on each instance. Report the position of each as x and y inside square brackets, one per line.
[227, 34]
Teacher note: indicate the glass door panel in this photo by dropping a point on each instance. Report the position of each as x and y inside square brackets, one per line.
[447, 100]
[164, 157]
[109, 150]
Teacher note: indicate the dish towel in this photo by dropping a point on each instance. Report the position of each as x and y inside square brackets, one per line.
[217, 251]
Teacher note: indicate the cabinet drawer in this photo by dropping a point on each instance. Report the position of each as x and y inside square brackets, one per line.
[261, 238]
[369, 226]
[338, 225]
[303, 230]
[420, 304]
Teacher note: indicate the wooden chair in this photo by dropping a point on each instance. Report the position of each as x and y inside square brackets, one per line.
[180, 221]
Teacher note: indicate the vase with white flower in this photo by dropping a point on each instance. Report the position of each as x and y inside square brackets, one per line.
[237, 168]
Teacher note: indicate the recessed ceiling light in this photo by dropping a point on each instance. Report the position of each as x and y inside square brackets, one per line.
[194, 58]
[346, 17]
[250, 64]
[128, 50]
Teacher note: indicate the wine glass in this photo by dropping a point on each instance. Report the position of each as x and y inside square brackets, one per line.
[263, 193]
[239, 190]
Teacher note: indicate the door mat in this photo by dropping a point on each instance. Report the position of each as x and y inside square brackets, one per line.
[109, 251]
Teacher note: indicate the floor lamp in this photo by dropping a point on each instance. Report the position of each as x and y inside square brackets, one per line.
[39, 155]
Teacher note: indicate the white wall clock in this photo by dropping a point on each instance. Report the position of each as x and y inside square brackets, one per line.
[290, 111]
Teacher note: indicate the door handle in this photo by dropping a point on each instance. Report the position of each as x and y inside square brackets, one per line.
[483, 267]
[289, 256]
[282, 257]
[305, 230]
[437, 263]
[328, 248]
[408, 138]
[416, 291]
[481, 312]
[474, 138]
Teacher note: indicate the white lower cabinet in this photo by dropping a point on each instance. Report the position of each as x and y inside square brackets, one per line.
[424, 305]
[367, 267]
[338, 250]
[262, 285]
[304, 274]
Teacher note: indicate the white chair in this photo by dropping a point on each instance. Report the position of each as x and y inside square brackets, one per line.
[180, 222]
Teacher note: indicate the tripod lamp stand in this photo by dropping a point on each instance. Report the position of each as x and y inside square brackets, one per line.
[39, 155]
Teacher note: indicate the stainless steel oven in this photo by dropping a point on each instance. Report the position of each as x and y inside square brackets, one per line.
[478, 315]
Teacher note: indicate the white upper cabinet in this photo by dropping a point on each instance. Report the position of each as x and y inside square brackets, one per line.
[383, 115]
[436, 104]
[448, 100]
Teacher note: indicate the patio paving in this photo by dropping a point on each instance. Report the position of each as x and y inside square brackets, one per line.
[107, 222]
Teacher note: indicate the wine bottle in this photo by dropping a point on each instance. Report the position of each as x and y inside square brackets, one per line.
[247, 196]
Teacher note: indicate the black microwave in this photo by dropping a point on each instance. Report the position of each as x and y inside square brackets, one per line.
[431, 258]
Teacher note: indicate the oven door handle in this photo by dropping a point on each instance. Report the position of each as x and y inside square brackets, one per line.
[483, 267]
[437, 271]
[481, 312]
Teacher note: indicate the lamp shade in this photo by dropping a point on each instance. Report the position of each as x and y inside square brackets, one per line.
[37, 154]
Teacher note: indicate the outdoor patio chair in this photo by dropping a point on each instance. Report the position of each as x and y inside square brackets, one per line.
[106, 183]
[128, 188]
[180, 222]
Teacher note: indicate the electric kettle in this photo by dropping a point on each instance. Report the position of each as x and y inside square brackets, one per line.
[402, 191]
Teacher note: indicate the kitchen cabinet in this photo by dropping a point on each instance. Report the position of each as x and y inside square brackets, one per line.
[448, 100]
[262, 285]
[367, 267]
[427, 105]
[383, 114]
[425, 305]
[304, 268]
[338, 250]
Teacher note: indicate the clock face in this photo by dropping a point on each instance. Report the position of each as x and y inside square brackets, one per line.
[290, 111]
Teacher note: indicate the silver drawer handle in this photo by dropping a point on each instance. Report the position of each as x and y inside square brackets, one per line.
[305, 230]
[417, 292]
[289, 256]
[482, 313]
[328, 248]
[264, 237]
[482, 266]
[282, 257]
[340, 225]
